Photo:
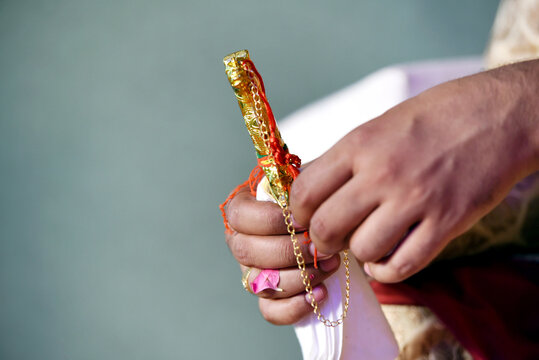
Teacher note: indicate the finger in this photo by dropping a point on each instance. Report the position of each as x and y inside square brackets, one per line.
[247, 215]
[317, 182]
[290, 281]
[266, 252]
[382, 231]
[290, 310]
[341, 214]
[416, 251]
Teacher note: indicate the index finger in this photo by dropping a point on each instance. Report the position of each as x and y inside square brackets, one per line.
[317, 182]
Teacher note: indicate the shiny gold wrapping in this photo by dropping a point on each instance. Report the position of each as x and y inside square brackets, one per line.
[257, 121]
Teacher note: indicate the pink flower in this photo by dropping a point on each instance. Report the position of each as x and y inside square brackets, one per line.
[267, 279]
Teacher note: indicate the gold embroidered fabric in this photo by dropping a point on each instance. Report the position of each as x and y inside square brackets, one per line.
[515, 34]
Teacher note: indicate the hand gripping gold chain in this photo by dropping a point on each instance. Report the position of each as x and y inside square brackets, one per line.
[258, 112]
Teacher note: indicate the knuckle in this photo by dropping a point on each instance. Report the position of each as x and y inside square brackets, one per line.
[274, 220]
[420, 194]
[358, 137]
[265, 312]
[389, 169]
[299, 195]
[233, 214]
[228, 239]
[361, 252]
[283, 314]
[242, 255]
[269, 315]
[321, 231]
[401, 269]
[240, 251]
[285, 252]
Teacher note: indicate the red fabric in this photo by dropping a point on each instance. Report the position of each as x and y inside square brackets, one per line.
[489, 304]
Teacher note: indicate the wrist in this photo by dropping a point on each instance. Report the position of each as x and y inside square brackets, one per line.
[531, 73]
[529, 81]
[519, 84]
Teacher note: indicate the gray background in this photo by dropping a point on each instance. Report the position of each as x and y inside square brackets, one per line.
[119, 136]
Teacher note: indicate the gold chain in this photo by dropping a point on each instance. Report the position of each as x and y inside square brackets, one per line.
[292, 231]
[305, 277]
[258, 107]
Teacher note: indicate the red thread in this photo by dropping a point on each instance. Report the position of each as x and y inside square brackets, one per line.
[254, 178]
[281, 155]
[308, 241]
[228, 230]
[306, 236]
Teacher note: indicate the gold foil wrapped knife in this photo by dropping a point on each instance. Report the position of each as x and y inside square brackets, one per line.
[278, 164]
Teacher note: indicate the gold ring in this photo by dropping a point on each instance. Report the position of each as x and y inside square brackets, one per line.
[245, 280]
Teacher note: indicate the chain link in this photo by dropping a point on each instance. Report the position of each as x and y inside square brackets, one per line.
[253, 87]
[305, 277]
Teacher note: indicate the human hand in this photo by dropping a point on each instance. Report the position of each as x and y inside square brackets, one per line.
[259, 240]
[397, 189]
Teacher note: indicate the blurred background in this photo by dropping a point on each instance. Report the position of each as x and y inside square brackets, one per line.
[119, 137]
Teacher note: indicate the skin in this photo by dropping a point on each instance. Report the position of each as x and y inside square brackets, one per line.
[398, 189]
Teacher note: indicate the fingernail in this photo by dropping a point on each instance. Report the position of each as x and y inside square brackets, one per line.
[297, 225]
[319, 255]
[367, 269]
[330, 264]
[318, 294]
